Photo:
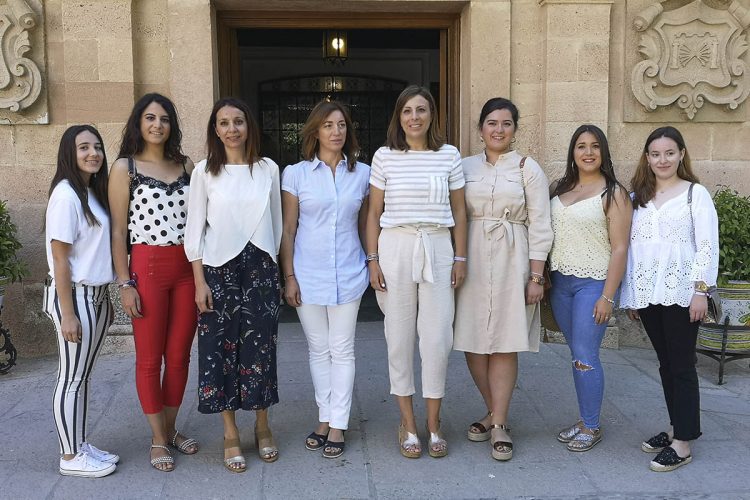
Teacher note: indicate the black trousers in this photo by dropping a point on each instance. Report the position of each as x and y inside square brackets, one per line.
[673, 337]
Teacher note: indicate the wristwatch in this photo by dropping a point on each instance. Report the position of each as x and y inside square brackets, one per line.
[701, 286]
[539, 280]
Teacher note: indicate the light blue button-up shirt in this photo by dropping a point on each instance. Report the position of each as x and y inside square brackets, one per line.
[329, 261]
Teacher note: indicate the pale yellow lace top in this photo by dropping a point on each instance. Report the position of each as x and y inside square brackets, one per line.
[581, 247]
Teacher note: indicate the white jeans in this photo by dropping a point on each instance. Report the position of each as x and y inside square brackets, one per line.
[330, 339]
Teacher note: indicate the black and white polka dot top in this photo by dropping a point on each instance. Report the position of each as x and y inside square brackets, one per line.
[158, 210]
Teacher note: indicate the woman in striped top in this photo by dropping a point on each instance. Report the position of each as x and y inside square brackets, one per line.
[416, 196]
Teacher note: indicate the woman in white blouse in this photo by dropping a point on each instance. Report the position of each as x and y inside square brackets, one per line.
[232, 239]
[416, 197]
[672, 262]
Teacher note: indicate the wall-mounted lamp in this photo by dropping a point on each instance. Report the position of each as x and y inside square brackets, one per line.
[335, 46]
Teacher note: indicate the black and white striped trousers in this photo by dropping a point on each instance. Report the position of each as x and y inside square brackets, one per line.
[70, 398]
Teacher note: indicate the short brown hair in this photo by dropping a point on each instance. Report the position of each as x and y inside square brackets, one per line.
[396, 138]
[317, 116]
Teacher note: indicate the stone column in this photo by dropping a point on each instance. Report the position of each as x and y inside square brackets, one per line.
[485, 62]
[192, 66]
[575, 75]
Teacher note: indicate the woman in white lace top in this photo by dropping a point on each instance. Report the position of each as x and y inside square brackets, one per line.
[673, 259]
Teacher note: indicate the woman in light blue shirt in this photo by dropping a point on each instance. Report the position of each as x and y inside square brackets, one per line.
[324, 200]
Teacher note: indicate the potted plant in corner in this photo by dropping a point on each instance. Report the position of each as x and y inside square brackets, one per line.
[727, 342]
[11, 270]
[11, 267]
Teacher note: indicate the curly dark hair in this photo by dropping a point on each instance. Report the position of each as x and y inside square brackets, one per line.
[132, 140]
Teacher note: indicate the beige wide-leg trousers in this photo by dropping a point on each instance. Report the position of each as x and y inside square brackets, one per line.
[416, 264]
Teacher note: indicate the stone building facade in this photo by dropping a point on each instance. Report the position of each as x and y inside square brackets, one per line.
[625, 65]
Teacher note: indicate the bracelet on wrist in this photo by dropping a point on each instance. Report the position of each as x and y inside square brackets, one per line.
[702, 294]
[537, 278]
[459, 259]
[611, 301]
[126, 284]
[289, 276]
[537, 274]
[372, 257]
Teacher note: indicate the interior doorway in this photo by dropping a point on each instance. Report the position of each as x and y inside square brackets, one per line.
[275, 62]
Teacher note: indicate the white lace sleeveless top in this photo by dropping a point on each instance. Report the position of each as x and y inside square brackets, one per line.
[581, 247]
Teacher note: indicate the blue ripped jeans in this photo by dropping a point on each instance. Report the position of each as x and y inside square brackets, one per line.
[573, 301]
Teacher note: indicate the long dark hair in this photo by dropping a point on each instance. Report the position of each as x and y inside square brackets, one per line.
[318, 115]
[396, 138]
[217, 155]
[132, 139]
[644, 180]
[67, 169]
[570, 178]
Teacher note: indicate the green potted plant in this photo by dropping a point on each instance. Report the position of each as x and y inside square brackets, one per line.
[725, 342]
[11, 267]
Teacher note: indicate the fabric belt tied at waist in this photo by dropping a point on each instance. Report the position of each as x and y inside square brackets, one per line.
[423, 254]
[493, 223]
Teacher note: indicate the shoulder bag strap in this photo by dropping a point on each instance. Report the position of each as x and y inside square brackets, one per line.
[523, 185]
[131, 173]
[690, 207]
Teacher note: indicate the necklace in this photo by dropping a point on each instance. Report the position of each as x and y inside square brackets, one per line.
[667, 188]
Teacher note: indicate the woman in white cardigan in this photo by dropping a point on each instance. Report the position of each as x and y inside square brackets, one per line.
[232, 239]
[673, 259]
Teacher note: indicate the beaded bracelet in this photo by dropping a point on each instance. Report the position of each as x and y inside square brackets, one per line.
[126, 284]
[611, 301]
[459, 259]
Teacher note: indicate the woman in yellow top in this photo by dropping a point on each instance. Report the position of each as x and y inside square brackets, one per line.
[591, 215]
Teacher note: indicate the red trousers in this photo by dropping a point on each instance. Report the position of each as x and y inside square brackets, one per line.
[165, 332]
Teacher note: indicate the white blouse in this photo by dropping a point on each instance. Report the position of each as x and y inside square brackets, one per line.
[228, 210]
[671, 249]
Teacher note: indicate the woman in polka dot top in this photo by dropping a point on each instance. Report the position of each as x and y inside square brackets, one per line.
[148, 187]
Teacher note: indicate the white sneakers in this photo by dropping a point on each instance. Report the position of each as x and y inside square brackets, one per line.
[90, 461]
[101, 455]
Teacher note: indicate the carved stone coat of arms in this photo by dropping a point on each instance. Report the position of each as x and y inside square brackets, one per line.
[692, 54]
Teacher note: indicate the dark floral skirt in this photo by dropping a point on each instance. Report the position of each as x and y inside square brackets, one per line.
[237, 341]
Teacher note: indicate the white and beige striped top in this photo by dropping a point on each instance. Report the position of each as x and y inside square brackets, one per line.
[417, 185]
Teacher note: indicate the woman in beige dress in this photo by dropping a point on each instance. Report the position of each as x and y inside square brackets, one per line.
[510, 234]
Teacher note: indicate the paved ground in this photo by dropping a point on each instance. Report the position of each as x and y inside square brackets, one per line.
[372, 467]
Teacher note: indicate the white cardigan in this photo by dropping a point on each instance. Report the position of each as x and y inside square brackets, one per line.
[671, 249]
[228, 210]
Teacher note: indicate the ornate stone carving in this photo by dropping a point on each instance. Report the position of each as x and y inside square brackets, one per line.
[692, 55]
[20, 76]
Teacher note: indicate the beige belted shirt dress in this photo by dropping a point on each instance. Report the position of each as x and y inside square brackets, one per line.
[508, 225]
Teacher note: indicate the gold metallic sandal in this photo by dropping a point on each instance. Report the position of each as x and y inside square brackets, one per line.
[502, 450]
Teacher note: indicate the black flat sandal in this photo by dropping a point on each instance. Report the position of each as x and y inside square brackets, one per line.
[319, 439]
[333, 449]
[668, 460]
[657, 443]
